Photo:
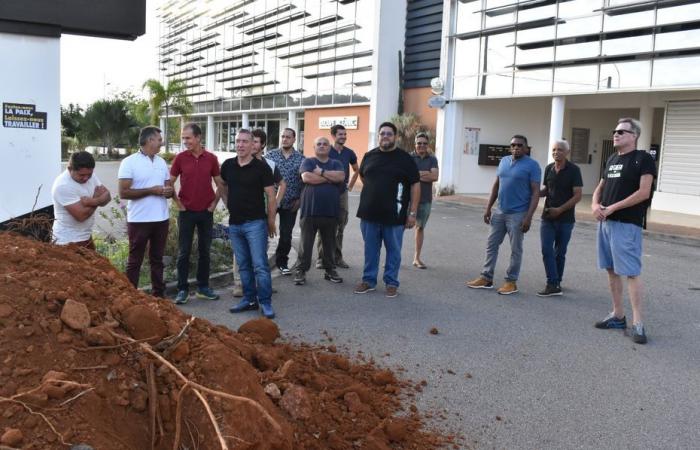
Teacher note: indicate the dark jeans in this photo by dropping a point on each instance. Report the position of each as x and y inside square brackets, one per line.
[287, 220]
[555, 237]
[342, 222]
[325, 227]
[187, 221]
[155, 235]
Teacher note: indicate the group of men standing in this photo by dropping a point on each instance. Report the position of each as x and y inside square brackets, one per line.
[396, 195]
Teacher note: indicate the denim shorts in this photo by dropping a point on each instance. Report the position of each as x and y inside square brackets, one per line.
[423, 214]
[620, 247]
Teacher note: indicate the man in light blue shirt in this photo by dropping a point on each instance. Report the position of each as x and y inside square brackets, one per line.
[517, 188]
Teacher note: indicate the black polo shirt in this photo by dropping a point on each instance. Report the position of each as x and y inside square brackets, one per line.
[560, 188]
[246, 189]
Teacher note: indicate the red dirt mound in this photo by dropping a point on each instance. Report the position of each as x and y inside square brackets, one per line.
[85, 358]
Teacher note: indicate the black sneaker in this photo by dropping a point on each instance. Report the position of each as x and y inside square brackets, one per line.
[549, 291]
[299, 277]
[612, 322]
[638, 335]
[332, 276]
[284, 270]
[342, 264]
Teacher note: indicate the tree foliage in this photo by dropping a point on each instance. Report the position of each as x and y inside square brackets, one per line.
[167, 99]
[408, 126]
[109, 123]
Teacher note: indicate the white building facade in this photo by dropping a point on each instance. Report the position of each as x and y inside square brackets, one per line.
[569, 69]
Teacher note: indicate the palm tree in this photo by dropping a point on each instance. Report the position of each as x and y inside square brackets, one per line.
[169, 98]
[109, 122]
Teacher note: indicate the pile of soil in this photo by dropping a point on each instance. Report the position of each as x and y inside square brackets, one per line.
[72, 374]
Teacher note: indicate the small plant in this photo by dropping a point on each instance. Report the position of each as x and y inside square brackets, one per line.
[408, 126]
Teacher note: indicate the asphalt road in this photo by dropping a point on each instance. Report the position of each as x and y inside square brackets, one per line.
[514, 372]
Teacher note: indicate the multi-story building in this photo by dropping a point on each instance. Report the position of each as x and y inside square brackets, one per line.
[570, 68]
[303, 64]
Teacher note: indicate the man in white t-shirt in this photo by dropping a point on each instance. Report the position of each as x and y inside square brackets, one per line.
[144, 180]
[77, 194]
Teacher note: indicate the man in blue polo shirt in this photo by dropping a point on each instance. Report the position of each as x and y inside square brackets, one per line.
[517, 188]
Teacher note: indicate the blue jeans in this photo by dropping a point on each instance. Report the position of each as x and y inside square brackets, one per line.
[249, 241]
[502, 224]
[374, 234]
[555, 236]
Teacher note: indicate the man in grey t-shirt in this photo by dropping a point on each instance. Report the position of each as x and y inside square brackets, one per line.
[429, 172]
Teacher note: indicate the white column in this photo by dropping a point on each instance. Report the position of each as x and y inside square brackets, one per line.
[646, 116]
[211, 134]
[292, 121]
[389, 16]
[556, 123]
[245, 121]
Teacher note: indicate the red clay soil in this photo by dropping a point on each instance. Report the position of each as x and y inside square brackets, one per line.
[65, 362]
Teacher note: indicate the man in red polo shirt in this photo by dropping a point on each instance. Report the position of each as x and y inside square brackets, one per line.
[196, 201]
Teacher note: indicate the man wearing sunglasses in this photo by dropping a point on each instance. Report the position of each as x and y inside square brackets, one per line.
[517, 188]
[619, 204]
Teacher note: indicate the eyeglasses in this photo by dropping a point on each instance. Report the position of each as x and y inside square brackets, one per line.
[386, 133]
[621, 132]
[421, 143]
[517, 144]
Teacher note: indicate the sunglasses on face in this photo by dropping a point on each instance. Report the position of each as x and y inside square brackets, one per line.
[517, 144]
[621, 132]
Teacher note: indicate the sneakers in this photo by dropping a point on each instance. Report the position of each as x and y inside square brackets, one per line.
[549, 291]
[284, 270]
[342, 264]
[363, 288]
[332, 276]
[244, 305]
[612, 322]
[480, 283]
[238, 291]
[206, 293]
[267, 311]
[638, 335]
[391, 291]
[509, 287]
[299, 277]
[182, 297]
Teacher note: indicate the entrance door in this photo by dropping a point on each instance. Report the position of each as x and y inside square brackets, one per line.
[608, 150]
[273, 134]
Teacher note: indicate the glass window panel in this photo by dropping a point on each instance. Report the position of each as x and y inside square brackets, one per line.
[676, 72]
[635, 44]
[499, 20]
[536, 34]
[678, 14]
[625, 75]
[361, 94]
[497, 84]
[267, 102]
[280, 101]
[309, 100]
[579, 8]
[535, 55]
[466, 86]
[576, 79]
[585, 50]
[626, 21]
[542, 12]
[466, 56]
[499, 51]
[467, 19]
[580, 26]
[625, 2]
[679, 39]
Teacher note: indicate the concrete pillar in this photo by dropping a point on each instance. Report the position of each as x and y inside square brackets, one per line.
[245, 121]
[162, 129]
[211, 134]
[556, 124]
[646, 116]
[292, 121]
[390, 15]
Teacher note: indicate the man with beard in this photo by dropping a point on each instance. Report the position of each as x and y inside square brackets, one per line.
[388, 205]
[517, 188]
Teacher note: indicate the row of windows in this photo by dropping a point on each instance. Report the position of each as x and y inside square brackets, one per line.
[504, 48]
[270, 53]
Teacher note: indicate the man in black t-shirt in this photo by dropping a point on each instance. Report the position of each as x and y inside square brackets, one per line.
[248, 182]
[619, 204]
[388, 204]
[562, 190]
[323, 178]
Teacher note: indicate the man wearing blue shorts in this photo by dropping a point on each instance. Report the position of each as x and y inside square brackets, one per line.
[619, 204]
